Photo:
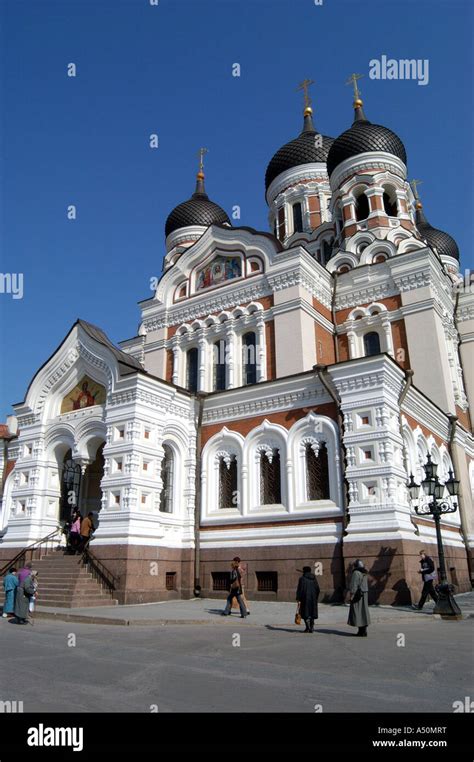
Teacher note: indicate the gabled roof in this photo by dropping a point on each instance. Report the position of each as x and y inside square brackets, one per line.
[127, 364]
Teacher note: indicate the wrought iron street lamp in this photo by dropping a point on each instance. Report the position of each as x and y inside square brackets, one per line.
[429, 499]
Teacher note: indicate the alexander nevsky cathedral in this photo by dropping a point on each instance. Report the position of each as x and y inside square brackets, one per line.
[281, 390]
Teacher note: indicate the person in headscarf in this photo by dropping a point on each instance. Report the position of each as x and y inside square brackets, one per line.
[10, 584]
[24, 572]
[307, 595]
[359, 599]
[26, 589]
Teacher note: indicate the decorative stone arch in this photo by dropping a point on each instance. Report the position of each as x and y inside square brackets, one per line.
[362, 320]
[361, 238]
[176, 436]
[313, 429]
[376, 248]
[422, 450]
[225, 444]
[397, 235]
[342, 258]
[263, 439]
[89, 436]
[410, 244]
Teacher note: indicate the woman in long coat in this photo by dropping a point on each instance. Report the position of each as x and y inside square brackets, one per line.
[359, 610]
[307, 595]
[25, 591]
[10, 584]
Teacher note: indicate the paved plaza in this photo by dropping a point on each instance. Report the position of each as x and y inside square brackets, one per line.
[262, 664]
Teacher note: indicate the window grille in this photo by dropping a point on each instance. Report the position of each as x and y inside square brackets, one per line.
[267, 582]
[270, 479]
[220, 581]
[317, 475]
[227, 483]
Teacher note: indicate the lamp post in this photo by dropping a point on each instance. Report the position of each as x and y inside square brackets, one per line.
[433, 502]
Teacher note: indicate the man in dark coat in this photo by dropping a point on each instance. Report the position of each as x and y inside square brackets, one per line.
[428, 575]
[359, 591]
[25, 591]
[307, 595]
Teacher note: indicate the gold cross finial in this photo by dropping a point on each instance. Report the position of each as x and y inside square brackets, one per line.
[201, 154]
[414, 186]
[304, 85]
[353, 81]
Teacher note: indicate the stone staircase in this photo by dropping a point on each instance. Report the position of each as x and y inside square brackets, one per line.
[64, 582]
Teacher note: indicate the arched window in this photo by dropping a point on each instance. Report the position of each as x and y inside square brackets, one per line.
[249, 358]
[228, 483]
[390, 204]
[167, 478]
[270, 479]
[192, 369]
[326, 252]
[344, 268]
[371, 344]
[362, 207]
[297, 218]
[219, 353]
[317, 474]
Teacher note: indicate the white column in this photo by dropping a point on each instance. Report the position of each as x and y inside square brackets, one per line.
[231, 341]
[202, 363]
[387, 329]
[176, 362]
[261, 351]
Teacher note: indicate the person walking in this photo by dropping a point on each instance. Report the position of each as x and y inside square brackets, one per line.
[242, 571]
[87, 527]
[307, 595]
[23, 594]
[359, 598]
[10, 584]
[235, 591]
[428, 575]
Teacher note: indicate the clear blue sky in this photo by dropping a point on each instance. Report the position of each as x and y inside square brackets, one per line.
[167, 70]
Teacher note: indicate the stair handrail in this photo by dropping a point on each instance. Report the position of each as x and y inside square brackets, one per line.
[98, 569]
[28, 548]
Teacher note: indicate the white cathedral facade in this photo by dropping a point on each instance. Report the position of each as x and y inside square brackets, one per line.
[281, 389]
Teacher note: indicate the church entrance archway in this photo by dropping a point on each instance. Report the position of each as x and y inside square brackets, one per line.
[91, 493]
[70, 487]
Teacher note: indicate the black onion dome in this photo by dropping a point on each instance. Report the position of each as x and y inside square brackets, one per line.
[363, 137]
[198, 210]
[446, 246]
[301, 150]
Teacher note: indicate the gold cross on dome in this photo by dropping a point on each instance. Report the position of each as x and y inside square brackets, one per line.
[304, 85]
[353, 81]
[414, 186]
[201, 154]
